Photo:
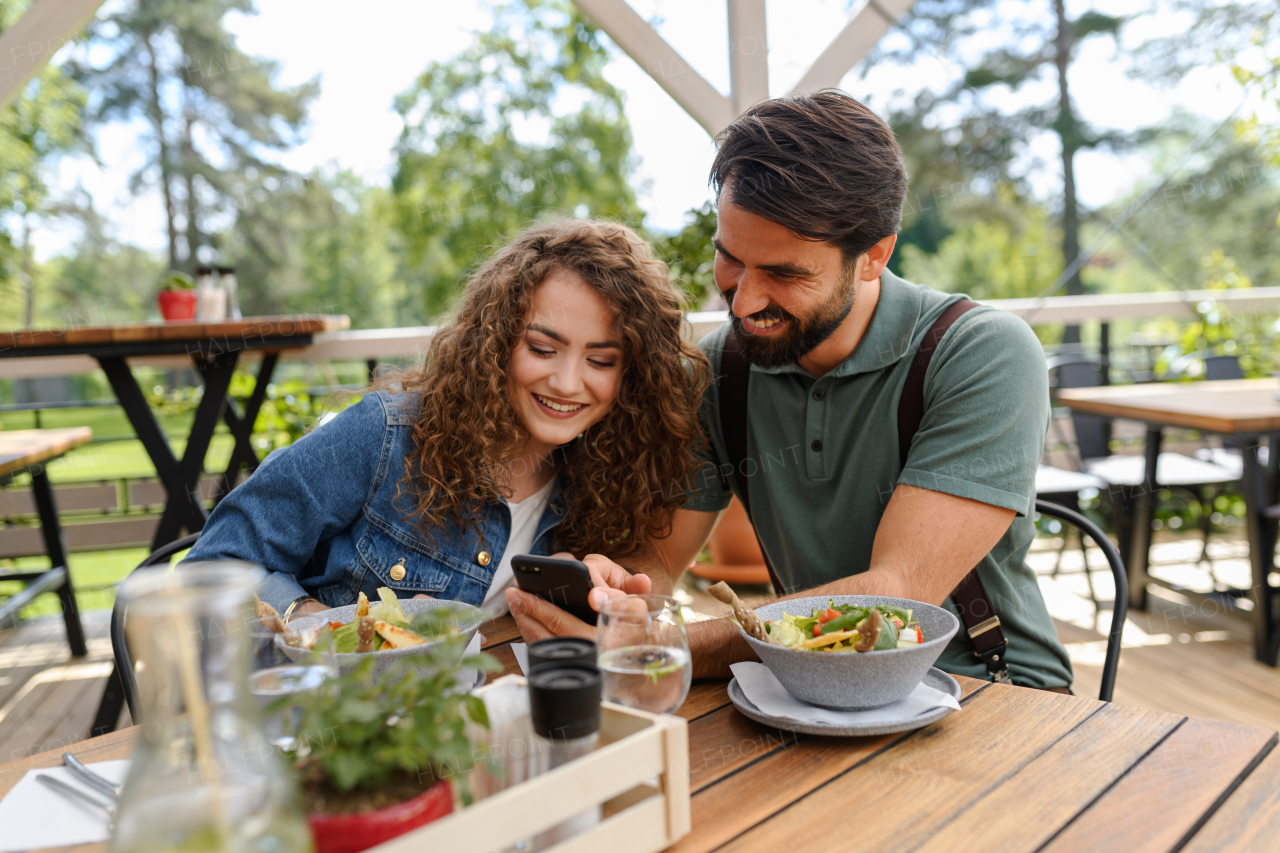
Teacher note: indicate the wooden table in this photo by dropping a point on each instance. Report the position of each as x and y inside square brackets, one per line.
[1017, 770]
[28, 450]
[1245, 409]
[214, 348]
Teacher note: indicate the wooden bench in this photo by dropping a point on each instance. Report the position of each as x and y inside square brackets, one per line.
[29, 450]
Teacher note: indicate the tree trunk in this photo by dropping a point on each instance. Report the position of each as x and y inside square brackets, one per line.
[189, 175]
[157, 120]
[28, 271]
[1068, 133]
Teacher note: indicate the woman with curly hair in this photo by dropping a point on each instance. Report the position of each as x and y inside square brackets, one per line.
[557, 412]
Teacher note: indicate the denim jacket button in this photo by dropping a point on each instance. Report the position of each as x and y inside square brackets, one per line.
[397, 571]
[483, 558]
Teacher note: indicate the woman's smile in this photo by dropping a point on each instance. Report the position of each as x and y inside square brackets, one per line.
[559, 408]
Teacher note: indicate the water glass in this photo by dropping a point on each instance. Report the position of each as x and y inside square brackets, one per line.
[644, 653]
[271, 685]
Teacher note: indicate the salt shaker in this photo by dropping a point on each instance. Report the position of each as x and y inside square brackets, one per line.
[559, 650]
[564, 706]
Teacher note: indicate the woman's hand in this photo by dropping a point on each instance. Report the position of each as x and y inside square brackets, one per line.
[540, 620]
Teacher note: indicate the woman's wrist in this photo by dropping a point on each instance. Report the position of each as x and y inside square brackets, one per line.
[302, 605]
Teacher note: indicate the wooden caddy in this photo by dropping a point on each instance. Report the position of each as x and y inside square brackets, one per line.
[635, 747]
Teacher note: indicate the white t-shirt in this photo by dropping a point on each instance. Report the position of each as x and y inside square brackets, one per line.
[525, 516]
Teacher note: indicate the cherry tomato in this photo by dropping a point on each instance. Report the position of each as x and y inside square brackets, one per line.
[817, 630]
[827, 616]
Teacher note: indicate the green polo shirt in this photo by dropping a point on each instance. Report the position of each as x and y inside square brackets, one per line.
[823, 457]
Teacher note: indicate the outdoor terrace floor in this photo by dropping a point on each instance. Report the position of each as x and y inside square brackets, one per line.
[1177, 657]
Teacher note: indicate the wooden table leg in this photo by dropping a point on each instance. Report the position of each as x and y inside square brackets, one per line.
[1142, 506]
[55, 545]
[1254, 484]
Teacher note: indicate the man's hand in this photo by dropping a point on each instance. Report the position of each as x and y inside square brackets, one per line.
[539, 620]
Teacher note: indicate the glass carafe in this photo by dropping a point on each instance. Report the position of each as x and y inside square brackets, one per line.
[203, 776]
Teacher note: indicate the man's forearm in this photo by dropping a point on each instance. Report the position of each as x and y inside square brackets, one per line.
[714, 645]
[647, 561]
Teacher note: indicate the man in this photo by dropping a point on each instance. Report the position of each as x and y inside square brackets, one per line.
[810, 192]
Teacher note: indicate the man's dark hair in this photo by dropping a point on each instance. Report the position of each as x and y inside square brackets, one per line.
[822, 165]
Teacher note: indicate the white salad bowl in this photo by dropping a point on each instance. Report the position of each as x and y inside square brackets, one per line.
[855, 681]
[467, 620]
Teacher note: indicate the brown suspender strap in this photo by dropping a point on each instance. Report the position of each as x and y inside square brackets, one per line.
[735, 380]
[970, 597]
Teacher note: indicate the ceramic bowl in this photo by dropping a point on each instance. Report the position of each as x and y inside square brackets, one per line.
[855, 681]
[467, 621]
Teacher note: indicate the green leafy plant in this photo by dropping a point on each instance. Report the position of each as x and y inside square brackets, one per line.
[367, 740]
[177, 281]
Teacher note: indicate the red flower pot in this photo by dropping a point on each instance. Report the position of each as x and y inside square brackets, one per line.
[351, 833]
[177, 304]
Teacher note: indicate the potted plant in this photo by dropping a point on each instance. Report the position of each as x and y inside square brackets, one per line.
[379, 755]
[177, 297]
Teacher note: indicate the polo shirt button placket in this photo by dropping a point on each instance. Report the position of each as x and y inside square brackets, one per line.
[816, 425]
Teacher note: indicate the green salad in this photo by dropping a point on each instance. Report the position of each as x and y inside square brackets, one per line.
[847, 628]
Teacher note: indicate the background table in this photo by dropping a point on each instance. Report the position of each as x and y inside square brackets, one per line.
[214, 349]
[28, 450]
[1245, 409]
[1016, 771]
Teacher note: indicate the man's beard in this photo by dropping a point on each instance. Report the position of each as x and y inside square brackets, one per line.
[801, 336]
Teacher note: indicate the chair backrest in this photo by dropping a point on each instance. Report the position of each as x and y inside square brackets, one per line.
[119, 646]
[1093, 433]
[1218, 367]
[1120, 609]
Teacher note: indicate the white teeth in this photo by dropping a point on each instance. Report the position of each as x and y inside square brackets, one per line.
[766, 324]
[559, 407]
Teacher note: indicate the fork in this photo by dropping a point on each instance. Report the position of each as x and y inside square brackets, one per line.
[80, 797]
[101, 783]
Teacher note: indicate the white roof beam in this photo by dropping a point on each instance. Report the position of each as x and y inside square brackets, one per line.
[663, 63]
[748, 54]
[871, 20]
[26, 46]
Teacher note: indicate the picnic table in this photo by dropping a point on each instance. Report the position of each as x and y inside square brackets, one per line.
[1245, 410]
[214, 348]
[28, 450]
[1016, 770]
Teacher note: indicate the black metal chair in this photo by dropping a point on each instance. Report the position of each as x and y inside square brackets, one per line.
[1120, 609]
[122, 687]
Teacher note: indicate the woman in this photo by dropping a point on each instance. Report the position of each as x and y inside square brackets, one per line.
[553, 414]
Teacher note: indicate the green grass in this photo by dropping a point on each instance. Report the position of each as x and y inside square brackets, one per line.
[94, 573]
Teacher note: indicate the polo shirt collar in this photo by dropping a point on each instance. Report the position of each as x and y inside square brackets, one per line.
[888, 338]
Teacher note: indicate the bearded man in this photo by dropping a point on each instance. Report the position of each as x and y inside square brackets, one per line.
[861, 475]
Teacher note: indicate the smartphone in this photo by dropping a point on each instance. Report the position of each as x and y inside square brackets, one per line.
[564, 583]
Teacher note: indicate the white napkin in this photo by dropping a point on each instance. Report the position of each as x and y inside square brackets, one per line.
[467, 676]
[36, 816]
[768, 694]
[521, 651]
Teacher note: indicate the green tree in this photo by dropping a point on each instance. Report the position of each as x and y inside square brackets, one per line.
[214, 114]
[42, 124]
[1008, 251]
[326, 243]
[522, 124]
[691, 256]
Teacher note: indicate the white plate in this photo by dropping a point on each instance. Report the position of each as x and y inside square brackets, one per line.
[934, 678]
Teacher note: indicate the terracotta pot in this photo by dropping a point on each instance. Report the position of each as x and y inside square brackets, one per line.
[735, 551]
[351, 833]
[177, 304]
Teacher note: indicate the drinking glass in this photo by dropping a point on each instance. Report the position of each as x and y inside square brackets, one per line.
[271, 686]
[644, 653]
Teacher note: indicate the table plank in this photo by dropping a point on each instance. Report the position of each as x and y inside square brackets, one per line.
[704, 698]
[1249, 821]
[1028, 808]
[1230, 406]
[945, 767]
[742, 790]
[22, 447]
[1162, 799]
[499, 631]
[248, 328]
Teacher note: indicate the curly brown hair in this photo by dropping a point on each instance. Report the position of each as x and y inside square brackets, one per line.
[626, 474]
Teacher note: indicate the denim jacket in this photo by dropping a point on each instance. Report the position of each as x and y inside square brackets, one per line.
[323, 517]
